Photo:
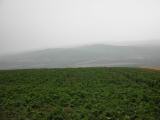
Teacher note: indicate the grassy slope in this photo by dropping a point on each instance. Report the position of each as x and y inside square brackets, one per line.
[80, 93]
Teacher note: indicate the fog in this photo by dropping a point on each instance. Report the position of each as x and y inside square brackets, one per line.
[40, 24]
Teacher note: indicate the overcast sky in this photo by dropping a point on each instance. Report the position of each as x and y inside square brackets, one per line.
[39, 24]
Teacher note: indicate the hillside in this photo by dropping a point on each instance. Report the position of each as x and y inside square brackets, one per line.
[80, 94]
[84, 56]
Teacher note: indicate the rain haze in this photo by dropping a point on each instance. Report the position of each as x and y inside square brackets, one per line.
[79, 59]
[40, 24]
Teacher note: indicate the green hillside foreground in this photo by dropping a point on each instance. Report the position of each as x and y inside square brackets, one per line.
[80, 94]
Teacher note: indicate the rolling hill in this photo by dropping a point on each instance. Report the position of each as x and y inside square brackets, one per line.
[84, 56]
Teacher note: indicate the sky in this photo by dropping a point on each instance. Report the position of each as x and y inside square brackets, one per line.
[39, 24]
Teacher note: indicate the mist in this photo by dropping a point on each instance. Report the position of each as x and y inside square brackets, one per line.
[40, 24]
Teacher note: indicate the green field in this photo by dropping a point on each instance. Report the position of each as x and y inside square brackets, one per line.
[80, 94]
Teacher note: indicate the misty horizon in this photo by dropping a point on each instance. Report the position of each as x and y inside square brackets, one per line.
[96, 55]
[154, 43]
[41, 24]
[79, 59]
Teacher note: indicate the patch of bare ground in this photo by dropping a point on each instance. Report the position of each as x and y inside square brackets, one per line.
[152, 68]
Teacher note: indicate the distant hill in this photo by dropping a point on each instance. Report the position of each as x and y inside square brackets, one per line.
[84, 56]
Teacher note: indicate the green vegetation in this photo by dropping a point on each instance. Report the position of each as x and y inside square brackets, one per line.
[80, 94]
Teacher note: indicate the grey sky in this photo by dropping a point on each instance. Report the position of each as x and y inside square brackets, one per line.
[36, 24]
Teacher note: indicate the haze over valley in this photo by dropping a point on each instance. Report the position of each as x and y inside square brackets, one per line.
[79, 59]
[73, 33]
[85, 56]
